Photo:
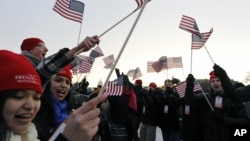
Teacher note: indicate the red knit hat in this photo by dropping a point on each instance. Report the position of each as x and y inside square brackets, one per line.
[152, 84]
[29, 43]
[212, 75]
[16, 72]
[66, 72]
[138, 82]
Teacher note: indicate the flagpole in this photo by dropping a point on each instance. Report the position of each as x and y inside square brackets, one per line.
[209, 54]
[205, 96]
[183, 74]
[107, 29]
[123, 47]
[191, 63]
[120, 21]
[116, 24]
[79, 35]
[146, 1]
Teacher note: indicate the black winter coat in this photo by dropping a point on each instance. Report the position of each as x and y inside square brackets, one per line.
[169, 120]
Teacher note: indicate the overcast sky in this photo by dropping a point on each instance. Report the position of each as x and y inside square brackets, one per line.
[156, 34]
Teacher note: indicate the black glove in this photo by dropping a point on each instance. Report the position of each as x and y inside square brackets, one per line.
[83, 86]
[190, 80]
[225, 82]
[220, 72]
[189, 88]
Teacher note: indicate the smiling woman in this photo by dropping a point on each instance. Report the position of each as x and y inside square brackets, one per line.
[19, 97]
[20, 101]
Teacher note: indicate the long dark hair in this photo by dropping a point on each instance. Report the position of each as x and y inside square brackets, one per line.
[3, 127]
[47, 93]
[46, 115]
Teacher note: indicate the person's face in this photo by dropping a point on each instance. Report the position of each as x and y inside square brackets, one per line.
[151, 88]
[39, 51]
[60, 87]
[215, 84]
[168, 83]
[20, 109]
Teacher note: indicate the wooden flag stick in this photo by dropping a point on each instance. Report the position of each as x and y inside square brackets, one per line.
[209, 54]
[146, 1]
[122, 49]
[205, 96]
[120, 21]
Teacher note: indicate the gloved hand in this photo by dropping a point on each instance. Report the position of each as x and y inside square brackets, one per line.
[225, 82]
[190, 80]
[189, 88]
[220, 72]
[83, 86]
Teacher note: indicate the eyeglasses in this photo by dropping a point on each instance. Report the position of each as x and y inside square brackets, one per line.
[42, 46]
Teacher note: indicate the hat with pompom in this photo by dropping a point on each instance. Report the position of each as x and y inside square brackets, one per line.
[16, 72]
[29, 43]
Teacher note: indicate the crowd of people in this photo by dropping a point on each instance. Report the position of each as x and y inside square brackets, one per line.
[26, 75]
[36, 100]
[202, 115]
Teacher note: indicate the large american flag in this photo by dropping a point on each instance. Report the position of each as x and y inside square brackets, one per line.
[182, 88]
[199, 41]
[189, 24]
[97, 52]
[70, 9]
[115, 88]
[174, 62]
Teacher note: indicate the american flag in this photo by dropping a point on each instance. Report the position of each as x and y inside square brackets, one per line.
[134, 73]
[157, 66]
[182, 88]
[130, 73]
[149, 66]
[174, 62]
[70, 9]
[189, 24]
[86, 63]
[139, 4]
[160, 64]
[115, 88]
[109, 61]
[97, 52]
[77, 63]
[199, 41]
[137, 73]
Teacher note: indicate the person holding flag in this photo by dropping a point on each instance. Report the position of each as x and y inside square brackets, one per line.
[169, 102]
[35, 50]
[211, 113]
[20, 100]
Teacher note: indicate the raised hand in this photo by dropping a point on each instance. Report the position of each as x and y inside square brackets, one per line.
[82, 123]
